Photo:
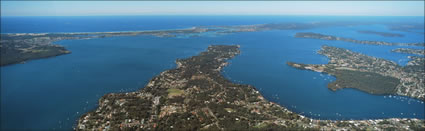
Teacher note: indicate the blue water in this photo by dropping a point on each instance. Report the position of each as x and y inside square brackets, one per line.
[43, 24]
[52, 93]
[263, 64]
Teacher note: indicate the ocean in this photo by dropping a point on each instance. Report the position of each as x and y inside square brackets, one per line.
[52, 93]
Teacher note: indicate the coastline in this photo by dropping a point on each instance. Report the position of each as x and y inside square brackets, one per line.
[118, 35]
[209, 101]
[362, 72]
[43, 40]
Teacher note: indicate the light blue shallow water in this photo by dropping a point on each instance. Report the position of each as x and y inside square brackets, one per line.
[52, 93]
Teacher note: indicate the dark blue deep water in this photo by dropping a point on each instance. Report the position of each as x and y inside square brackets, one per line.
[52, 93]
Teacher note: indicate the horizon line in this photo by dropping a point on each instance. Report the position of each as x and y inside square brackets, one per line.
[214, 15]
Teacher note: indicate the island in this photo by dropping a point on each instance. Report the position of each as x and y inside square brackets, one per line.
[312, 35]
[195, 96]
[370, 74]
[385, 34]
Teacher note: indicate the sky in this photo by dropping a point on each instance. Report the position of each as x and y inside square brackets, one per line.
[96, 8]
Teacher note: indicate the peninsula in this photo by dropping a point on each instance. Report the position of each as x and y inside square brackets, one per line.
[20, 47]
[335, 38]
[370, 74]
[195, 96]
[410, 51]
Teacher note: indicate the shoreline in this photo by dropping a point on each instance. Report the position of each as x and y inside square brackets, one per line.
[27, 41]
[362, 72]
[186, 100]
[172, 36]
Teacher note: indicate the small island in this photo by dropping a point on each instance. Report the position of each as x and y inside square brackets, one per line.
[335, 38]
[370, 74]
[195, 96]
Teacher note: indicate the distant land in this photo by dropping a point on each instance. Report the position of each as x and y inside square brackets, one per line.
[370, 74]
[409, 51]
[385, 34]
[195, 96]
[335, 38]
[20, 47]
[408, 27]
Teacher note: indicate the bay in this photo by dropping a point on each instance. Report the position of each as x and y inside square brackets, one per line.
[52, 93]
